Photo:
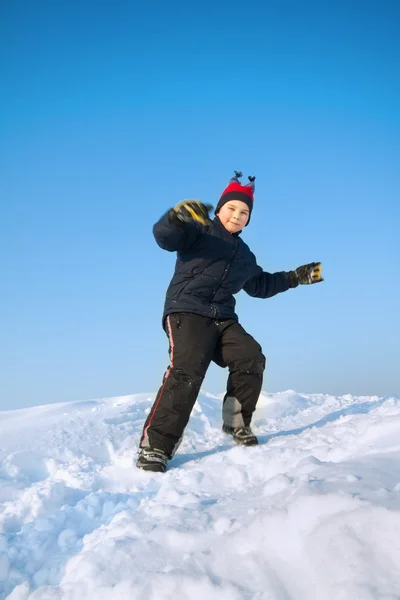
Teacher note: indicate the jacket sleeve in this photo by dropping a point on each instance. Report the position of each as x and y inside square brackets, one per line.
[173, 237]
[266, 285]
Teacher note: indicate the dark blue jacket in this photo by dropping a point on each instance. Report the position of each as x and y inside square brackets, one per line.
[212, 265]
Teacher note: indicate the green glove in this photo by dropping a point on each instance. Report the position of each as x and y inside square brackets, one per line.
[306, 274]
[191, 210]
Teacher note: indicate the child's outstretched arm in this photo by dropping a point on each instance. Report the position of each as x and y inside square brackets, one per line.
[180, 227]
[266, 285]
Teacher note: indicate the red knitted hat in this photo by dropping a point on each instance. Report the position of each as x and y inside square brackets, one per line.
[236, 191]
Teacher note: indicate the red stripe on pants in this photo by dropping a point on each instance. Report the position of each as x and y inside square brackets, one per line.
[171, 356]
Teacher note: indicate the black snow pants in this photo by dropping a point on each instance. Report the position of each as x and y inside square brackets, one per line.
[195, 341]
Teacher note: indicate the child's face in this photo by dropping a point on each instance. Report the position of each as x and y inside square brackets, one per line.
[234, 215]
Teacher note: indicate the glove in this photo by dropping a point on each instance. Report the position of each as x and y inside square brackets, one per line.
[305, 274]
[190, 210]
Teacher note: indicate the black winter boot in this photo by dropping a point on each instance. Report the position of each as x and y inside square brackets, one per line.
[241, 435]
[152, 459]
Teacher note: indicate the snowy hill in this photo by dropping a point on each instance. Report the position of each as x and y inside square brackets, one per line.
[312, 513]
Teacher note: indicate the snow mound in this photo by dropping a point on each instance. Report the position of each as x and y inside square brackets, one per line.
[311, 513]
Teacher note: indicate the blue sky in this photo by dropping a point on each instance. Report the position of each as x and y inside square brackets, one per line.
[111, 112]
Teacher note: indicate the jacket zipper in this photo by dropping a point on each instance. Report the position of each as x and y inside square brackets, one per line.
[227, 267]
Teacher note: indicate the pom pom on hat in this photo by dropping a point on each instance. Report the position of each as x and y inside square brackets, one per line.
[236, 191]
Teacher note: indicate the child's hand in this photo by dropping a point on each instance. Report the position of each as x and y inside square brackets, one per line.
[306, 274]
[192, 210]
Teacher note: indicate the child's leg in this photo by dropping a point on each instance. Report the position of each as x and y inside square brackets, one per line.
[243, 355]
[192, 340]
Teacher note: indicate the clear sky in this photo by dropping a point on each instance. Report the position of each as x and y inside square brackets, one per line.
[111, 112]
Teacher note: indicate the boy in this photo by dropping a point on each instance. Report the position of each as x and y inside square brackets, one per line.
[213, 263]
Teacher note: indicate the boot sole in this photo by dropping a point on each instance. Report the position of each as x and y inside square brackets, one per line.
[154, 468]
[245, 443]
[250, 442]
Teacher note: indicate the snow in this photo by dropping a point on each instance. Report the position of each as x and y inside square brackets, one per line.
[312, 513]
